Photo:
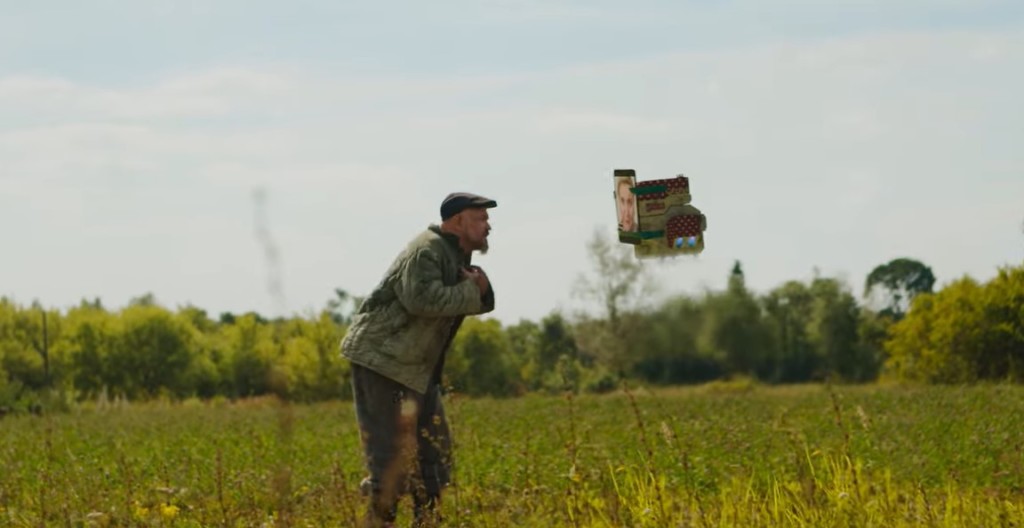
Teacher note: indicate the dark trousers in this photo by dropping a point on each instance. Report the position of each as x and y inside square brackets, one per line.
[406, 441]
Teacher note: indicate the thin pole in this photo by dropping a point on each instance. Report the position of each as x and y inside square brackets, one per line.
[46, 350]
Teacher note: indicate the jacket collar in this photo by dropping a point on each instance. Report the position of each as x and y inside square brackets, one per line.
[452, 240]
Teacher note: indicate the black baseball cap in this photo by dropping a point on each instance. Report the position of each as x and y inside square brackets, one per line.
[456, 202]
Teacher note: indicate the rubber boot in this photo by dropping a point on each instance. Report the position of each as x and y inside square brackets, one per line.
[426, 511]
[381, 512]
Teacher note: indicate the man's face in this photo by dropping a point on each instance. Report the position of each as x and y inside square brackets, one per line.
[626, 205]
[475, 228]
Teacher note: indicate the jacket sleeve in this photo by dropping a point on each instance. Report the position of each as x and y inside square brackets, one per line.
[488, 299]
[421, 290]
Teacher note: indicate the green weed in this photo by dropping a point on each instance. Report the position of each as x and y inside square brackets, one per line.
[762, 456]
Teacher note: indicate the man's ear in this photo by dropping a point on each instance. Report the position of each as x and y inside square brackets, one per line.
[456, 221]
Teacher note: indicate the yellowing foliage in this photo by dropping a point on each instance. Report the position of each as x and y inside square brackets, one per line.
[966, 332]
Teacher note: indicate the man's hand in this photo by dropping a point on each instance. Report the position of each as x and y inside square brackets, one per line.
[477, 275]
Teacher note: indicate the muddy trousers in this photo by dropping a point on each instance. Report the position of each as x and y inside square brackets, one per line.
[406, 444]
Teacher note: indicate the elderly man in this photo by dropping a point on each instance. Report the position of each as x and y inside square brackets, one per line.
[397, 343]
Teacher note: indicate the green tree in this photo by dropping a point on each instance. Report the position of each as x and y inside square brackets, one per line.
[310, 369]
[834, 331]
[342, 306]
[789, 309]
[901, 280]
[153, 352]
[734, 330]
[204, 376]
[539, 349]
[479, 362]
[251, 352]
[620, 285]
[668, 344]
[555, 340]
[297, 370]
[965, 333]
[146, 299]
[524, 343]
[198, 318]
[935, 341]
[89, 341]
[873, 330]
[1002, 352]
[28, 339]
[8, 314]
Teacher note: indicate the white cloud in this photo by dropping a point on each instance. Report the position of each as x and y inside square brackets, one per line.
[207, 94]
[838, 154]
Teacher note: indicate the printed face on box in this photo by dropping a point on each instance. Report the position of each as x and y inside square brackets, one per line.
[625, 203]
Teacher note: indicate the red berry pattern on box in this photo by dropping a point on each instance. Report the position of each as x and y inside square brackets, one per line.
[679, 184]
[683, 226]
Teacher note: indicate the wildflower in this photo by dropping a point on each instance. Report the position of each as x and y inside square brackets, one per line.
[168, 511]
[301, 492]
[140, 511]
[666, 432]
[865, 422]
[98, 519]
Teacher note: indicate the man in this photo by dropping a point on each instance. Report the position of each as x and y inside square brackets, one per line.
[397, 343]
[626, 203]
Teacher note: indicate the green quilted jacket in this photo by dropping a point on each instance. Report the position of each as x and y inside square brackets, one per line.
[406, 324]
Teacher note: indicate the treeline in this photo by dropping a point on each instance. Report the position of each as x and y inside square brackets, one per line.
[146, 351]
[808, 331]
[800, 331]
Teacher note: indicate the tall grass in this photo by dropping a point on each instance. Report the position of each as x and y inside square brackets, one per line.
[719, 455]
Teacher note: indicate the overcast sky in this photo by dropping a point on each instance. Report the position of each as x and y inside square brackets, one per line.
[823, 135]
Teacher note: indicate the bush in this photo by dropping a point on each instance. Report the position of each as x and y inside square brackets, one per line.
[599, 380]
[967, 332]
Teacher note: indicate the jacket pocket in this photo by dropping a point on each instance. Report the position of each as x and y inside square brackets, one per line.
[394, 317]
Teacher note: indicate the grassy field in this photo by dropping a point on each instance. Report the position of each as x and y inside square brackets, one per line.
[718, 455]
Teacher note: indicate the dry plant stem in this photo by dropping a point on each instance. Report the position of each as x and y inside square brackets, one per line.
[572, 486]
